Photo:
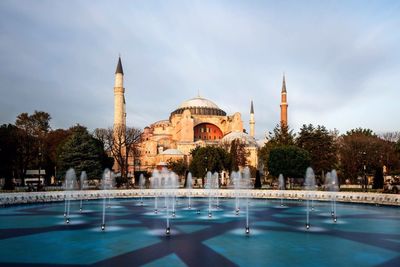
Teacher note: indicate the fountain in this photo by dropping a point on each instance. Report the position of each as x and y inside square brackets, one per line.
[70, 180]
[170, 186]
[107, 184]
[142, 182]
[167, 185]
[155, 183]
[246, 184]
[215, 186]
[174, 185]
[208, 187]
[236, 177]
[83, 179]
[367, 239]
[331, 184]
[281, 187]
[309, 185]
[224, 243]
[189, 186]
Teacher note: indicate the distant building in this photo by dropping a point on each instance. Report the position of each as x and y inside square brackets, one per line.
[195, 122]
[32, 177]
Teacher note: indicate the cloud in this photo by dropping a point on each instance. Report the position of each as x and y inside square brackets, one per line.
[336, 57]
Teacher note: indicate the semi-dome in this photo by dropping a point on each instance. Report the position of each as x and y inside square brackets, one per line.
[199, 106]
[241, 136]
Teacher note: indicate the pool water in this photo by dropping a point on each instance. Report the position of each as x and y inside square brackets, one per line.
[37, 234]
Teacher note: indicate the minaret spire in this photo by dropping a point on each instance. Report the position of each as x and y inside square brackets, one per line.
[119, 97]
[119, 67]
[284, 84]
[252, 121]
[284, 104]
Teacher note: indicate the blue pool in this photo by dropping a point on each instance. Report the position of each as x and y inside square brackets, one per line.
[37, 235]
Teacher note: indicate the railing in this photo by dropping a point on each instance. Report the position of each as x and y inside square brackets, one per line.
[53, 196]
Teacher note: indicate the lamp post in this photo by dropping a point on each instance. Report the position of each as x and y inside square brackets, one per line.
[40, 167]
[205, 158]
[365, 170]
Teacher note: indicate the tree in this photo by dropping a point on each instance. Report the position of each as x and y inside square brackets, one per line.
[82, 152]
[281, 136]
[237, 153]
[321, 146]
[257, 183]
[8, 154]
[179, 166]
[390, 136]
[361, 147]
[34, 129]
[123, 144]
[209, 158]
[53, 140]
[397, 146]
[36, 125]
[290, 161]
[397, 154]
[361, 131]
[378, 179]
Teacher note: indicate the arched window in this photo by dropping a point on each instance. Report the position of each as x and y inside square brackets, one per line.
[207, 131]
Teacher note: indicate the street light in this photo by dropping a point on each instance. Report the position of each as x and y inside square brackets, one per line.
[206, 171]
[40, 167]
[365, 170]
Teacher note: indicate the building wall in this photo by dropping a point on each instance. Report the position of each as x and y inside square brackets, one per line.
[181, 132]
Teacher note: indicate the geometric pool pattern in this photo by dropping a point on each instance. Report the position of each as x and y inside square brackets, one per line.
[36, 235]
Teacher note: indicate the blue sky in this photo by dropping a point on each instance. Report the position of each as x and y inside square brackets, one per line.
[341, 59]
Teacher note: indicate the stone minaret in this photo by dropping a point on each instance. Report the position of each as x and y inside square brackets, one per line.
[252, 121]
[119, 115]
[119, 98]
[284, 104]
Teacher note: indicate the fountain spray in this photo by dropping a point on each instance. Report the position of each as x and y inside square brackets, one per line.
[309, 185]
[281, 187]
[83, 179]
[107, 184]
[70, 179]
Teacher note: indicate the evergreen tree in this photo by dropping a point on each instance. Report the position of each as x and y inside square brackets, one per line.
[281, 136]
[209, 158]
[290, 161]
[321, 146]
[83, 153]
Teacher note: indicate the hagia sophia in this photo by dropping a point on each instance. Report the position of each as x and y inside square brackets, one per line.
[195, 122]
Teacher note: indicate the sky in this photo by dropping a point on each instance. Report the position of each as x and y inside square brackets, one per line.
[341, 60]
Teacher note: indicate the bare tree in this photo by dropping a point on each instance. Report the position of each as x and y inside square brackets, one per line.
[390, 136]
[33, 132]
[122, 143]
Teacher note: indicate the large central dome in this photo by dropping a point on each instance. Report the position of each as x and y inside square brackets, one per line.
[200, 106]
[199, 102]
